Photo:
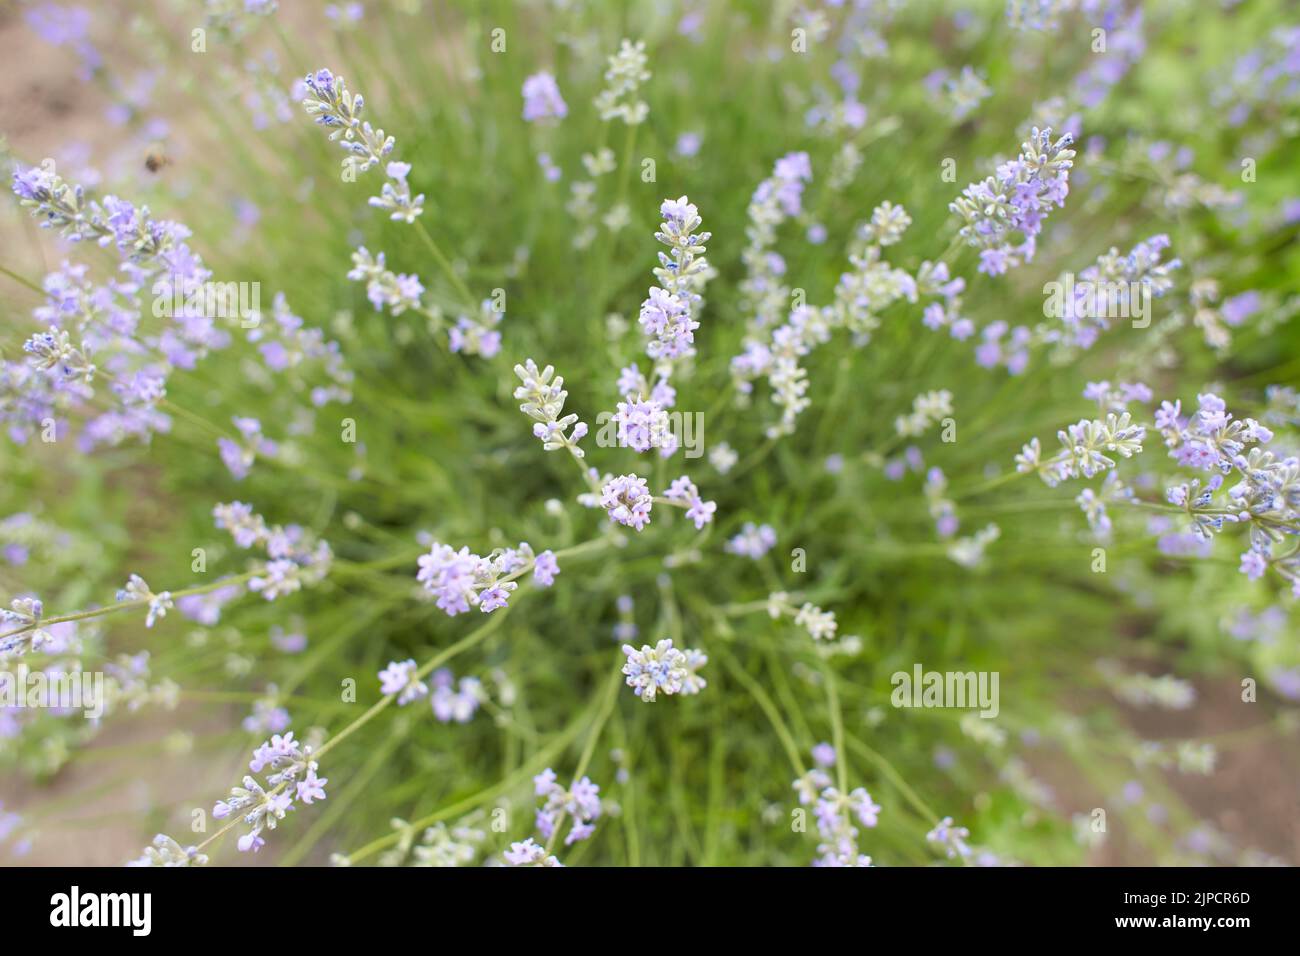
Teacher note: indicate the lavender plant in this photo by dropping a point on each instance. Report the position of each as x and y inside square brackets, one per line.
[811, 446]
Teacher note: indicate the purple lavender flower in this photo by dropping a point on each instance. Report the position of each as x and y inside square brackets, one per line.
[399, 677]
[452, 701]
[683, 490]
[1253, 565]
[627, 501]
[753, 541]
[1015, 201]
[545, 568]
[542, 100]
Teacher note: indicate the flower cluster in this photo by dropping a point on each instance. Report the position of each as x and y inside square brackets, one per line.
[452, 700]
[80, 319]
[927, 408]
[752, 541]
[528, 853]
[240, 454]
[668, 315]
[386, 289]
[236, 18]
[776, 199]
[296, 557]
[206, 608]
[26, 634]
[950, 838]
[1016, 200]
[835, 812]
[668, 321]
[328, 100]
[663, 669]
[542, 99]
[402, 678]
[935, 279]
[1085, 449]
[580, 803]
[262, 805]
[869, 287]
[299, 354]
[820, 625]
[460, 579]
[542, 396]
[627, 500]
[164, 851]
[1115, 285]
[137, 590]
[684, 493]
[400, 292]
[1266, 496]
[624, 76]
[958, 95]
[644, 424]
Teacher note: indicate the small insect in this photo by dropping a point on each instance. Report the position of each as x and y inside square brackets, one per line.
[155, 158]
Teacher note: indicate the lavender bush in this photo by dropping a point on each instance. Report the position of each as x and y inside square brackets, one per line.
[695, 433]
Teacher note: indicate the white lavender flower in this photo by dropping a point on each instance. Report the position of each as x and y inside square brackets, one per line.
[927, 409]
[723, 457]
[23, 631]
[1086, 447]
[138, 590]
[164, 851]
[542, 396]
[663, 669]
[624, 76]
[860, 295]
[969, 551]
[958, 95]
[820, 625]
[442, 846]
[386, 289]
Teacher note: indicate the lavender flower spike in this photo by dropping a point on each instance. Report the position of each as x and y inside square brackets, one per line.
[334, 107]
[1015, 201]
[542, 398]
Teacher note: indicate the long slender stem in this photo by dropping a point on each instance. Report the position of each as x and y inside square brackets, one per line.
[441, 258]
